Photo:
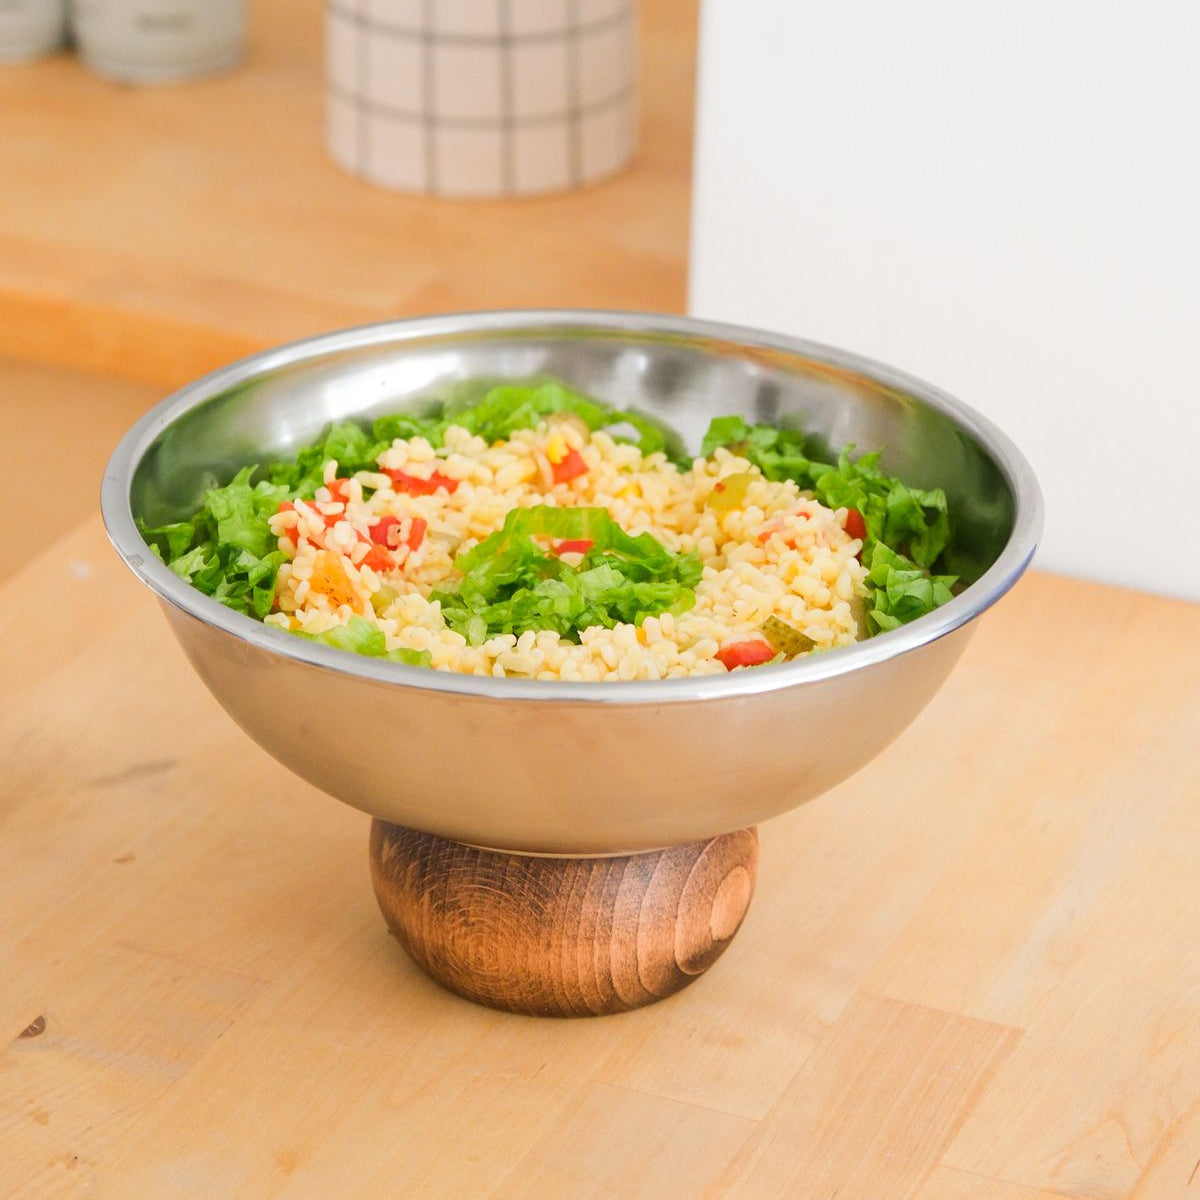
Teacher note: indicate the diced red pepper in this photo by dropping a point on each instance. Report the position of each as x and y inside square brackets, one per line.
[412, 486]
[381, 532]
[416, 533]
[855, 526]
[378, 559]
[745, 654]
[574, 546]
[571, 466]
[339, 489]
[386, 536]
[385, 532]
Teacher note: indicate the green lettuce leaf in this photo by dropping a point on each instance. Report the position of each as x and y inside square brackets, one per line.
[901, 591]
[227, 549]
[908, 529]
[651, 438]
[412, 658]
[360, 636]
[387, 429]
[347, 442]
[511, 407]
[169, 541]
[240, 512]
[778, 453]
[511, 583]
[238, 579]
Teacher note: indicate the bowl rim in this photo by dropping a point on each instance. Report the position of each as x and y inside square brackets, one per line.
[964, 608]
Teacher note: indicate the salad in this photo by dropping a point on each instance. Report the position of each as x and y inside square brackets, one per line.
[540, 533]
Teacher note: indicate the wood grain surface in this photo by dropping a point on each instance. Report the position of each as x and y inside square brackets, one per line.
[46, 410]
[971, 972]
[562, 937]
[157, 233]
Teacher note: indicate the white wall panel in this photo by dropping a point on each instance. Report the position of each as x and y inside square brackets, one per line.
[1000, 196]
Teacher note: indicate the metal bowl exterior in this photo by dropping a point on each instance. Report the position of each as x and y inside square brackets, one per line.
[553, 767]
[562, 777]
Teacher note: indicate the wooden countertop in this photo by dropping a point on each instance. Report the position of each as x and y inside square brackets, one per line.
[157, 233]
[970, 972]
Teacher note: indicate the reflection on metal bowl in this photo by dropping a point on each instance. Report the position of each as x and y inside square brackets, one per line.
[554, 767]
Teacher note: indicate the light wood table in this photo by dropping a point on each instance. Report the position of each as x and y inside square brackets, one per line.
[970, 973]
[159, 232]
[51, 414]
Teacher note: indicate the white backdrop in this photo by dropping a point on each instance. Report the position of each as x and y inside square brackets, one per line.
[999, 196]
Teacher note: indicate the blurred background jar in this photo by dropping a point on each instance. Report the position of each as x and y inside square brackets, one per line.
[29, 28]
[482, 97]
[157, 41]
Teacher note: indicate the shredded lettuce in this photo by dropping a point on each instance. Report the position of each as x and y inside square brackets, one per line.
[907, 528]
[412, 658]
[501, 412]
[508, 408]
[511, 407]
[347, 443]
[511, 582]
[169, 542]
[900, 591]
[360, 636]
[226, 550]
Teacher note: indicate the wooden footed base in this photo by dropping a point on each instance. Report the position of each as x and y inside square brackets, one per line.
[562, 937]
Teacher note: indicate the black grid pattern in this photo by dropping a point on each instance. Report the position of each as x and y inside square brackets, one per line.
[520, 96]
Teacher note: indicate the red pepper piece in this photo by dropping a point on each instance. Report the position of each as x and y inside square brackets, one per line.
[412, 486]
[381, 532]
[574, 546]
[855, 526]
[385, 534]
[571, 466]
[378, 559]
[416, 533]
[745, 654]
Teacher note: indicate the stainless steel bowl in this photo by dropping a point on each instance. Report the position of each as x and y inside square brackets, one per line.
[568, 767]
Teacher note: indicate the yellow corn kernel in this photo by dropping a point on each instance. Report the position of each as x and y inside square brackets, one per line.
[556, 448]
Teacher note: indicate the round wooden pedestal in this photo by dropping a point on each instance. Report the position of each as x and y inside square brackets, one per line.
[562, 937]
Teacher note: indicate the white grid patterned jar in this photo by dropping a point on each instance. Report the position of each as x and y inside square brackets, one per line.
[482, 97]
